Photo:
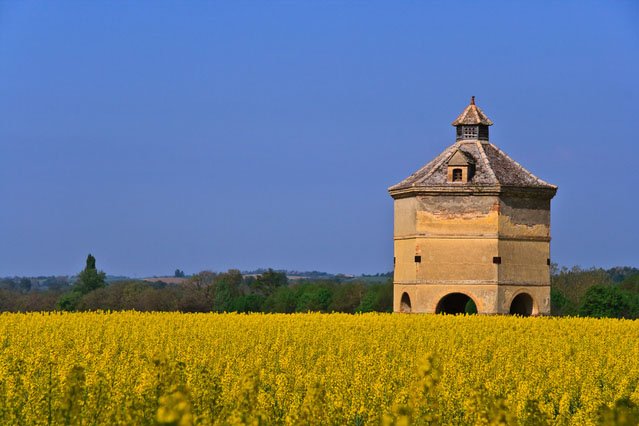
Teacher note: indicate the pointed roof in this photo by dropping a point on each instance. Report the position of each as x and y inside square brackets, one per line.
[494, 170]
[461, 158]
[472, 115]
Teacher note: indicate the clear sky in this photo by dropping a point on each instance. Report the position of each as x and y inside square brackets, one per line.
[212, 135]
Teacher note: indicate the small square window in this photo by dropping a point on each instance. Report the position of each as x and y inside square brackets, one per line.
[470, 132]
[418, 259]
[497, 260]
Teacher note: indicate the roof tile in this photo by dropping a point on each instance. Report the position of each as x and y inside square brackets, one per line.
[492, 168]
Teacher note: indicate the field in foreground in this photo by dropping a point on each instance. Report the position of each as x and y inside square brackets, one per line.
[170, 368]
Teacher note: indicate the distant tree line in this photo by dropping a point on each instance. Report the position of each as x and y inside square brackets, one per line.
[595, 292]
[270, 291]
[575, 292]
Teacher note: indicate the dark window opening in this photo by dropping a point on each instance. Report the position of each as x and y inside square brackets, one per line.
[404, 304]
[456, 303]
[457, 175]
[522, 305]
[418, 259]
[394, 260]
[548, 261]
[497, 260]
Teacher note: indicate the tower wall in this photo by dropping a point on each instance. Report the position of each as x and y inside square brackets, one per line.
[488, 247]
[524, 247]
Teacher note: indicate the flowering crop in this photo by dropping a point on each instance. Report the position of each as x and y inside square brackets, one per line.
[171, 368]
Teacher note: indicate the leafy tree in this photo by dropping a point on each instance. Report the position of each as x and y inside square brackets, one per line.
[621, 273]
[178, 273]
[88, 280]
[227, 289]
[605, 301]
[347, 297]
[378, 298]
[68, 301]
[559, 303]
[25, 285]
[315, 298]
[268, 282]
[283, 300]
[630, 284]
[249, 303]
[574, 283]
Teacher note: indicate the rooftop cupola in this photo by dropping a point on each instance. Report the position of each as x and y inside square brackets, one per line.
[472, 123]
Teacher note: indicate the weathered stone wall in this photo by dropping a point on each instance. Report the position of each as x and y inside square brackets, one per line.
[458, 237]
[539, 294]
[424, 298]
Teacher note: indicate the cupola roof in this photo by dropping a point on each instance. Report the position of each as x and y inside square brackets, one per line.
[472, 115]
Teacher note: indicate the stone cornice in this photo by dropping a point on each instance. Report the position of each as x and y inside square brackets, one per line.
[492, 236]
[499, 283]
[461, 190]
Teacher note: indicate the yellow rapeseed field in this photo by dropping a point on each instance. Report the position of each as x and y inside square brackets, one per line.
[171, 368]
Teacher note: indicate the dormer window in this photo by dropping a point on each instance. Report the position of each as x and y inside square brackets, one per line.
[461, 167]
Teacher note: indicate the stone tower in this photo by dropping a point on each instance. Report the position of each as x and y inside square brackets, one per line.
[472, 227]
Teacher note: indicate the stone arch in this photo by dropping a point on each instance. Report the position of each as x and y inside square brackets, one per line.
[405, 305]
[456, 303]
[523, 304]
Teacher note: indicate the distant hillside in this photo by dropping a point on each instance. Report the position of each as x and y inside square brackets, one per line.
[317, 275]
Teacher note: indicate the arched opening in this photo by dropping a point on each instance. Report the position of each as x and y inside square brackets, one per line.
[522, 305]
[456, 303]
[405, 304]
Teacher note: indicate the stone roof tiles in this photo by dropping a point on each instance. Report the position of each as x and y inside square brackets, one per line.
[461, 158]
[472, 115]
[493, 168]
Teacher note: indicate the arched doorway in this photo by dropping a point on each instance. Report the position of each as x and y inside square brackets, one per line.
[522, 305]
[456, 303]
[405, 304]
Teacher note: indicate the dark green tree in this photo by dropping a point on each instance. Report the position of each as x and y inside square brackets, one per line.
[605, 301]
[378, 298]
[347, 297]
[559, 303]
[630, 284]
[314, 298]
[268, 282]
[248, 303]
[283, 300]
[227, 290]
[89, 279]
[25, 285]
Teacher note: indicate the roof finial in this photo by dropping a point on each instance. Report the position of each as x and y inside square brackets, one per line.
[472, 100]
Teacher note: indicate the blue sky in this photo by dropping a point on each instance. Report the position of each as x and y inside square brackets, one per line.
[213, 135]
